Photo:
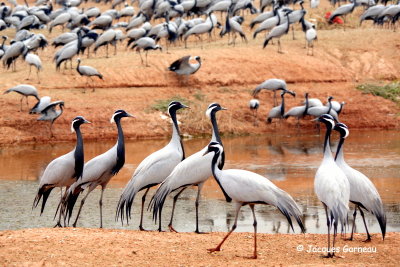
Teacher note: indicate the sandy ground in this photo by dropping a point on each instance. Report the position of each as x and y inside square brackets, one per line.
[90, 247]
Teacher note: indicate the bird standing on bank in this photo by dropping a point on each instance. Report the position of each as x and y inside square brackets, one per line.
[153, 169]
[332, 187]
[51, 113]
[25, 90]
[183, 66]
[64, 170]
[88, 71]
[254, 104]
[194, 170]
[98, 171]
[278, 112]
[363, 193]
[271, 85]
[146, 44]
[249, 188]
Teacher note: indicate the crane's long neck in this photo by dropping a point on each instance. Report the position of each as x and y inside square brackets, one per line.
[327, 150]
[330, 104]
[283, 105]
[79, 63]
[306, 109]
[176, 136]
[2, 44]
[339, 150]
[120, 148]
[78, 154]
[216, 137]
[79, 45]
[217, 173]
[287, 23]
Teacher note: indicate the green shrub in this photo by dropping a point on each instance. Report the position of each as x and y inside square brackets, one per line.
[390, 91]
[162, 104]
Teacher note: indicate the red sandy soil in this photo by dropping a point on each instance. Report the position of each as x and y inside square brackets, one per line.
[104, 247]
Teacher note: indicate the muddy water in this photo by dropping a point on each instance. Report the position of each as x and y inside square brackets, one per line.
[289, 161]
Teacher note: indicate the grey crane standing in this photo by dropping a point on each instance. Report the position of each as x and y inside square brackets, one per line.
[153, 169]
[194, 170]
[248, 188]
[33, 60]
[254, 104]
[25, 90]
[278, 32]
[64, 170]
[146, 44]
[332, 187]
[278, 112]
[98, 171]
[298, 112]
[68, 51]
[271, 85]
[51, 113]
[363, 193]
[88, 72]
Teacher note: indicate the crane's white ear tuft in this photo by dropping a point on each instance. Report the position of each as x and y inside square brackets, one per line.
[113, 116]
[72, 126]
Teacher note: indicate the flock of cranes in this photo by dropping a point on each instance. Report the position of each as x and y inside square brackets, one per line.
[336, 183]
[311, 106]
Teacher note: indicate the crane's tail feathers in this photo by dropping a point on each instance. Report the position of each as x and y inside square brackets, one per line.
[157, 201]
[378, 211]
[266, 42]
[339, 215]
[70, 200]
[8, 91]
[289, 208]
[44, 192]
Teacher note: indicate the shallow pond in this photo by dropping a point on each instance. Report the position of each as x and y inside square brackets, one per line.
[290, 161]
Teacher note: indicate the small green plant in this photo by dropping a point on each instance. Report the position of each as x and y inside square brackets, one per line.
[162, 104]
[390, 91]
[199, 95]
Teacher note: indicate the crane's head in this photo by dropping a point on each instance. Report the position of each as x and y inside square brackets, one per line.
[342, 129]
[215, 147]
[198, 59]
[213, 107]
[175, 105]
[78, 60]
[330, 98]
[120, 113]
[78, 121]
[328, 120]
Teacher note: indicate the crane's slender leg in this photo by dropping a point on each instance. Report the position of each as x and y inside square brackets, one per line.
[80, 208]
[218, 248]
[115, 49]
[51, 129]
[58, 224]
[101, 207]
[147, 65]
[365, 224]
[141, 213]
[70, 62]
[275, 103]
[173, 209]
[37, 74]
[329, 231]
[334, 238]
[22, 98]
[294, 38]
[106, 50]
[354, 224]
[199, 187]
[140, 56]
[255, 231]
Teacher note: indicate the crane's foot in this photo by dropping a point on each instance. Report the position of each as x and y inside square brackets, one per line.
[201, 233]
[254, 257]
[172, 229]
[329, 255]
[211, 250]
[58, 225]
[367, 240]
[74, 225]
[142, 229]
[349, 239]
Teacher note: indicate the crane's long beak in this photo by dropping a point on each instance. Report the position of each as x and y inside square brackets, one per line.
[205, 153]
[184, 106]
[222, 108]
[130, 115]
[86, 121]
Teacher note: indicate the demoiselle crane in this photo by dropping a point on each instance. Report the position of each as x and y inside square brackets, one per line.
[279, 111]
[25, 90]
[254, 104]
[43, 102]
[278, 32]
[98, 171]
[64, 170]
[363, 193]
[332, 187]
[88, 72]
[146, 44]
[33, 60]
[271, 85]
[184, 67]
[194, 170]
[51, 113]
[299, 111]
[153, 169]
[248, 188]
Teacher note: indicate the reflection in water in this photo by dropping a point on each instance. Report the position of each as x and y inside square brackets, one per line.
[289, 161]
